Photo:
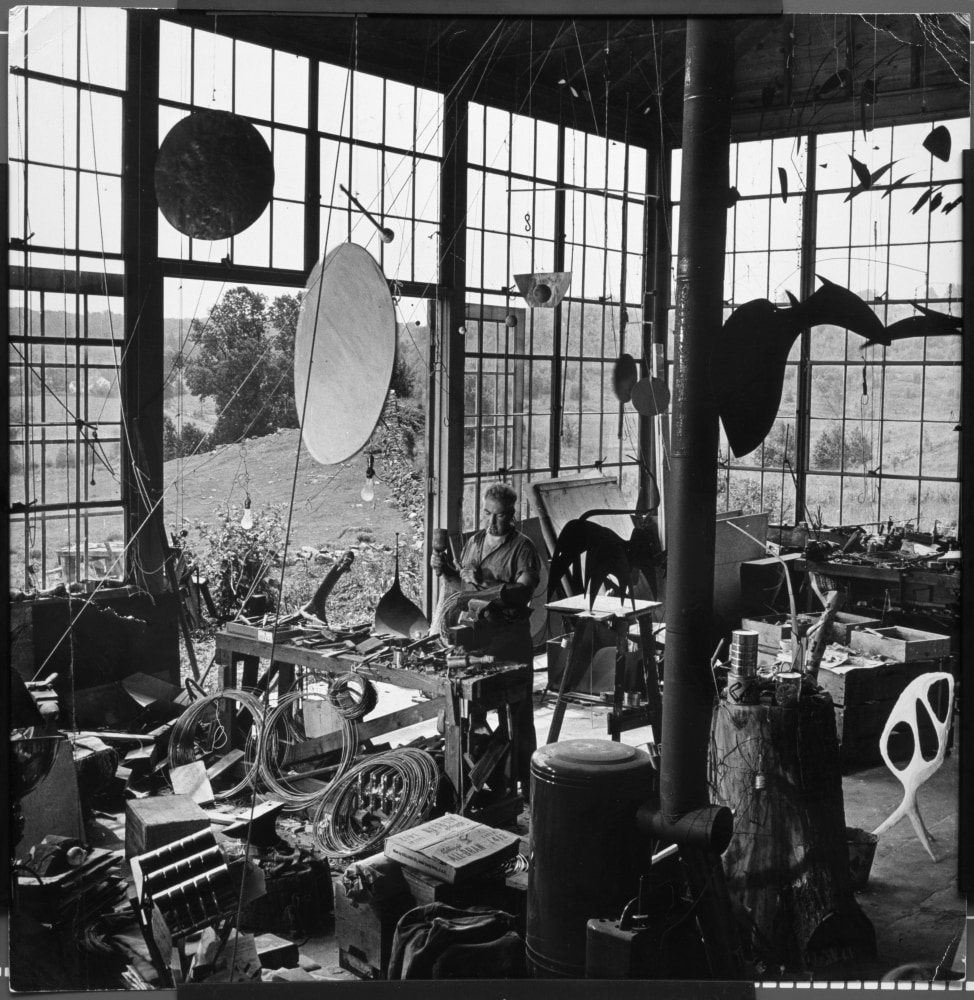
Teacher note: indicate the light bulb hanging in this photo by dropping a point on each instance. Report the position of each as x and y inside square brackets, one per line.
[247, 519]
[368, 490]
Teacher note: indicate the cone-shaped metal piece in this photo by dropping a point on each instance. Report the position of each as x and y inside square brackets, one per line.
[396, 615]
[543, 290]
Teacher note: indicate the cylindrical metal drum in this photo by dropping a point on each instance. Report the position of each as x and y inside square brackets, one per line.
[586, 855]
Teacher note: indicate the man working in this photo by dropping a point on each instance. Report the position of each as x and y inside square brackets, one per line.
[498, 574]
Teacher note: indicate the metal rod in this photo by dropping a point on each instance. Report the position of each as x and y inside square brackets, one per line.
[387, 234]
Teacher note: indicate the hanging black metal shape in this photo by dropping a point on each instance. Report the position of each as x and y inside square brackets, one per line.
[214, 175]
[651, 396]
[625, 374]
[937, 143]
[747, 365]
[396, 615]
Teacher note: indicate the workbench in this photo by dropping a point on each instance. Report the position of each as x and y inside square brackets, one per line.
[905, 585]
[451, 695]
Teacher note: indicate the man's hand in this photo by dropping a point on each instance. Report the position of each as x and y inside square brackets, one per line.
[442, 564]
[471, 576]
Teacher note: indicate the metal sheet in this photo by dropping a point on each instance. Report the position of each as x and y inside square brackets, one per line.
[214, 175]
[344, 352]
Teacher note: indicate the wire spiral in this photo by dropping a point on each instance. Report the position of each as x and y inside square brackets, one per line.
[200, 731]
[271, 744]
[379, 796]
[353, 696]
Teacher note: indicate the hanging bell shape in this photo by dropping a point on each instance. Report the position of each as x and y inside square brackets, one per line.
[543, 290]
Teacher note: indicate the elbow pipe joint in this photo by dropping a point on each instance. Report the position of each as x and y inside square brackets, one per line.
[707, 829]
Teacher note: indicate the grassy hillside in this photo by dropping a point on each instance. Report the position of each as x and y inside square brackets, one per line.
[328, 516]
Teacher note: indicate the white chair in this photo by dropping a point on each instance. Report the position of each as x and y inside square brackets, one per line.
[918, 770]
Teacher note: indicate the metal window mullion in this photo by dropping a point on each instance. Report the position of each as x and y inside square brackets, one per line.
[270, 204]
[312, 172]
[414, 216]
[557, 402]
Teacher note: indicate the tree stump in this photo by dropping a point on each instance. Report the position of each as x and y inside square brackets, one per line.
[787, 865]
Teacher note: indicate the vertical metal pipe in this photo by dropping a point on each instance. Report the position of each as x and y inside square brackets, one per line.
[689, 688]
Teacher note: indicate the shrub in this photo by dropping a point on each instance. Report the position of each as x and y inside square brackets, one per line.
[238, 561]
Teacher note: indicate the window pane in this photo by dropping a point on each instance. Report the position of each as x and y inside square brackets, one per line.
[290, 89]
[103, 39]
[252, 76]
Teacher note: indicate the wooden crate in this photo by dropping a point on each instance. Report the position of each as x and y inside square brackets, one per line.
[902, 644]
[862, 680]
[364, 932]
[844, 624]
[773, 629]
[860, 725]
[159, 820]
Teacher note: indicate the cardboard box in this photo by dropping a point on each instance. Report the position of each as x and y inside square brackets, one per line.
[159, 820]
[901, 644]
[452, 847]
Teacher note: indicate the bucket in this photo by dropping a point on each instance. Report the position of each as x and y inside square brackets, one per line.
[862, 850]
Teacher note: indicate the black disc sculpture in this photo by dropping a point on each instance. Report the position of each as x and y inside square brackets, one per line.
[214, 175]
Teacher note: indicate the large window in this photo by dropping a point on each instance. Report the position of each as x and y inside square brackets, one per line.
[538, 396]
[876, 438]
[65, 311]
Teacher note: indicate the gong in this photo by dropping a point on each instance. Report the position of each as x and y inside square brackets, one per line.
[214, 175]
[344, 352]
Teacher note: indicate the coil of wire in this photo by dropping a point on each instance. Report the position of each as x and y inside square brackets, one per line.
[200, 731]
[353, 696]
[348, 823]
[273, 741]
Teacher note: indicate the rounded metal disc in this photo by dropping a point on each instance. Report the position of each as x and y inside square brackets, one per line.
[651, 396]
[346, 340]
[625, 374]
[214, 175]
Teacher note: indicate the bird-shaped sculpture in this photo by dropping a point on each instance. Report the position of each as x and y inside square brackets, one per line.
[747, 364]
[609, 560]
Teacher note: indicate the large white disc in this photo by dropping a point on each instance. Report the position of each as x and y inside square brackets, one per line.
[346, 339]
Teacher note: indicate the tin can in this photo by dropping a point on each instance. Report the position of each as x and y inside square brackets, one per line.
[741, 689]
[787, 689]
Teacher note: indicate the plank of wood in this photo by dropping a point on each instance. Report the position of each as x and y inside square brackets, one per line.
[224, 763]
[409, 716]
